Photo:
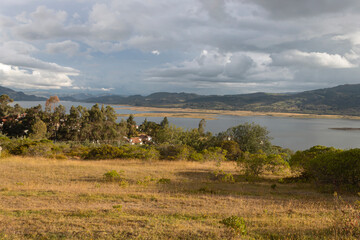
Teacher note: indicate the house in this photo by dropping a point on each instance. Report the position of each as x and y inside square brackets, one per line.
[145, 138]
[142, 139]
[135, 140]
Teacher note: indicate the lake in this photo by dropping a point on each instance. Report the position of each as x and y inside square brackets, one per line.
[293, 133]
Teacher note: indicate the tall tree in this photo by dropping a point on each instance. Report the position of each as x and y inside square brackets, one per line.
[38, 130]
[51, 102]
[164, 123]
[4, 104]
[201, 128]
[131, 126]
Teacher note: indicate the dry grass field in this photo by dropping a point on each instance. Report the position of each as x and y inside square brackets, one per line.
[69, 199]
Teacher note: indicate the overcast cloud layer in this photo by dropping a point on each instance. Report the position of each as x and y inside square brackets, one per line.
[201, 46]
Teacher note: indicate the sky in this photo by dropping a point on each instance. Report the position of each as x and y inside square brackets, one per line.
[200, 46]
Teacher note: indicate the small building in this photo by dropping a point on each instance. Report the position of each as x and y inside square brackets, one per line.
[135, 140]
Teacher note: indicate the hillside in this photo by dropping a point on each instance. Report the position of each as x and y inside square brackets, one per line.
[343, 99]
[19, 96]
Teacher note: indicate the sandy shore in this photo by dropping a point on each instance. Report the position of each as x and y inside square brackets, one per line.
[212, 114]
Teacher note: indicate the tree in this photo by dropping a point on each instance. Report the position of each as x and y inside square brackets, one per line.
[38, 130]
[51, 103]
[201, 128]
[131, 126]
[251, 137]
[4, 107]
[164, 123]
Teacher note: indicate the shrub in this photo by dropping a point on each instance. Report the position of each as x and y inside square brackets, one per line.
[164, 181]
[336, 167]
[104, 152]
[27, 147]
[236, 224]
[232, 148]
[174, 152]
[112, 176]
[256, 163]
[151, 154]
[222, 176]
[195, 156]
[215, 154]
[141, 152]
[301, 159]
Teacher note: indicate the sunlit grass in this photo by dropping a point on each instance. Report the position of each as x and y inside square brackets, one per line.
[68, 199]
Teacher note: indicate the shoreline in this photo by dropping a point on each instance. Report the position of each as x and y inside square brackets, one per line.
[212, 114]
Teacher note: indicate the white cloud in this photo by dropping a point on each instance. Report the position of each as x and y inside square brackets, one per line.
[68, 47]
[312, 59]
[155, 52]
[11, 76]
[353, 37]
[19, 69]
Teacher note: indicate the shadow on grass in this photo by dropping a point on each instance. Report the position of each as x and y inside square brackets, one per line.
[205, 175]
[313, 234]
[87, 179]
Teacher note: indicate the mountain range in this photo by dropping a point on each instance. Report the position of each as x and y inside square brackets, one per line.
[343, 99]
[19, 96]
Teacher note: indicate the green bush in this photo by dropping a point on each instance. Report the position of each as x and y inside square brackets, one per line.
[301, 158]
[232, 148]
[27, 147]
[104, 152]
[236, 224]
[113, 176]
[195, 156]
[174, 152]
[215, 154]
[336, 167]
[256, 163]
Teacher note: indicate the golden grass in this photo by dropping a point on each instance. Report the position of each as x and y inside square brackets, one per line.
[212, 114]
[69, 199]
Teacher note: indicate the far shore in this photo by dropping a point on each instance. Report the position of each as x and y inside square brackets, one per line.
[212, 114]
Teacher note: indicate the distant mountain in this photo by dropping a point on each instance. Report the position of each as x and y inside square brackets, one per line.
[19, 96]
[343, 99]
[74, 97]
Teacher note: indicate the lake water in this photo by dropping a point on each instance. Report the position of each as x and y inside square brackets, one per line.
[293, 133]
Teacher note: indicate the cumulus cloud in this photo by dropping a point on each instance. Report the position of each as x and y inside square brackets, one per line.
[12, 76]
[19, 69]
[68, 47]
[312, 59]
[212, 66]
[249, 42]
